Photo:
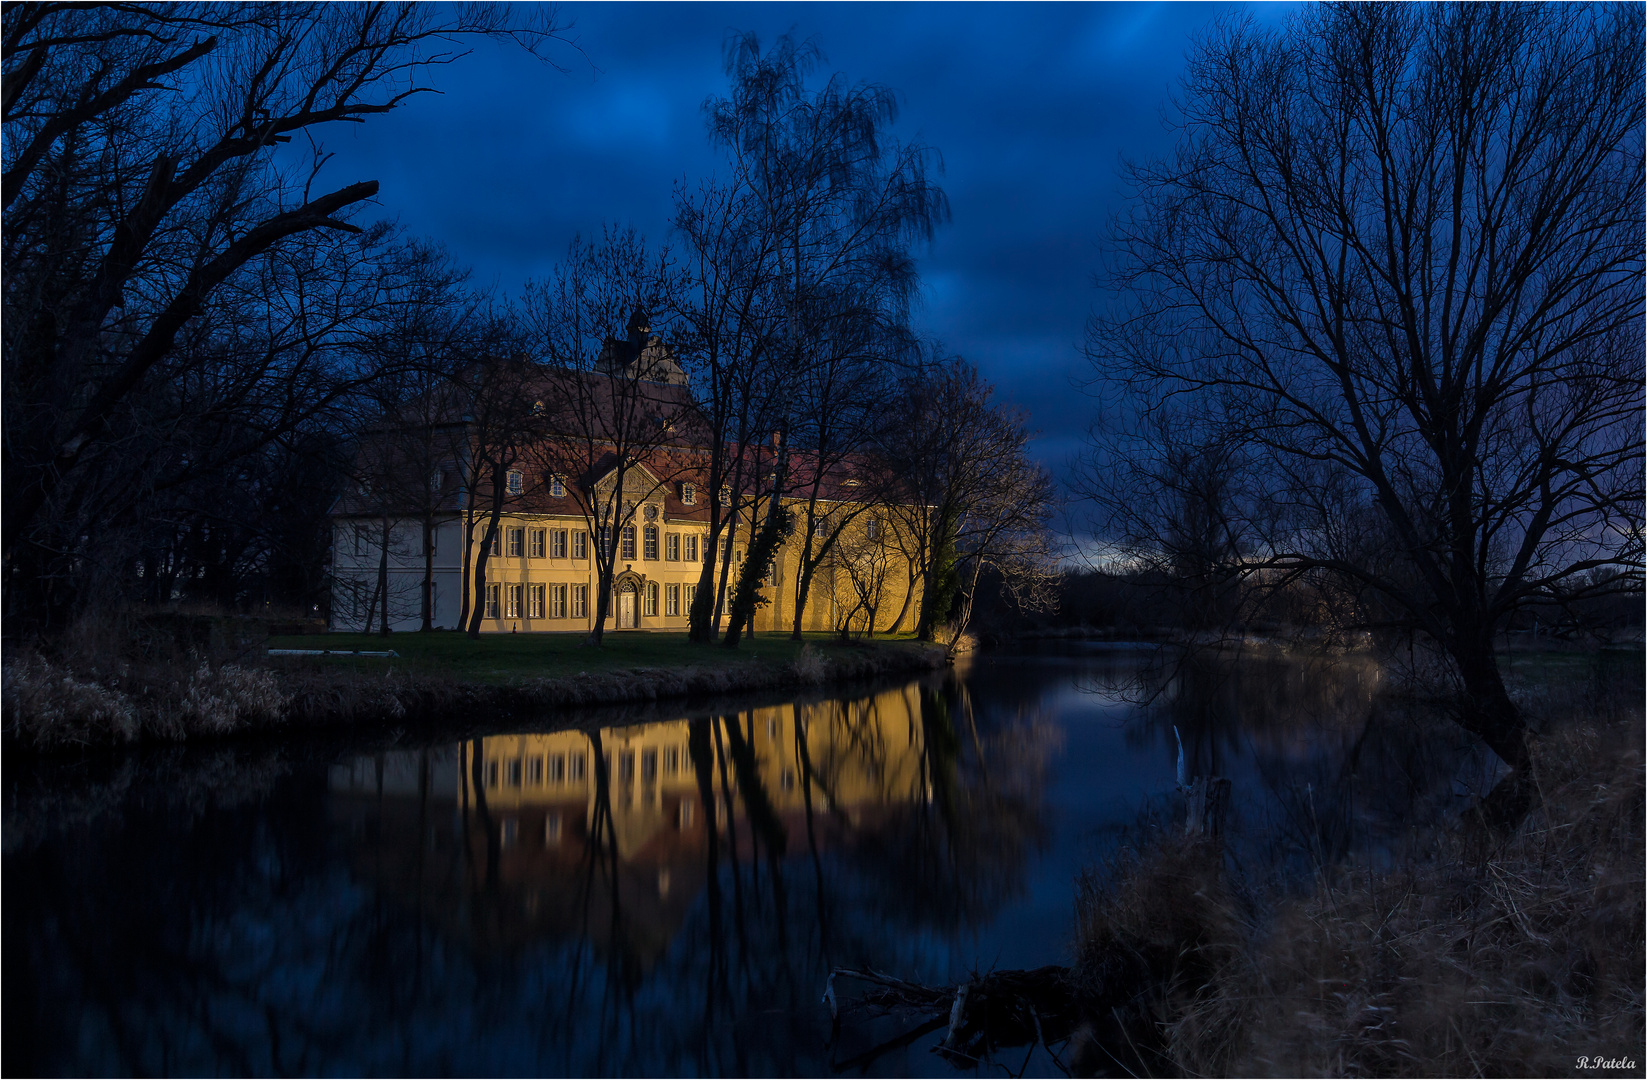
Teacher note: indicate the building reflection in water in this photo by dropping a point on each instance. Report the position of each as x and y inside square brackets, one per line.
[612, 835]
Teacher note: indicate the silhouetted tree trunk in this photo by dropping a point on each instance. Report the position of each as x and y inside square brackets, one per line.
[1397, 258]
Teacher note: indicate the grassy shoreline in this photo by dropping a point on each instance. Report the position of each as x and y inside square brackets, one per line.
[505, 658]
[1475, 951]
[50, 707]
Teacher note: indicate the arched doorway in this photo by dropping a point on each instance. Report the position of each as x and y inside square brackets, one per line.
[626, 606]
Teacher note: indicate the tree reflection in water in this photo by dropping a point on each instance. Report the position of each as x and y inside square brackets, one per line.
[643, 898]
[656, 898]
[1323, 764]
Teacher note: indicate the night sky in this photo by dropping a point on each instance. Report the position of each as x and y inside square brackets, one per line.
[1032, 108]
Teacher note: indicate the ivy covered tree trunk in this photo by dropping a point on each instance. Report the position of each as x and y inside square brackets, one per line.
[942, 582]
[755, 568]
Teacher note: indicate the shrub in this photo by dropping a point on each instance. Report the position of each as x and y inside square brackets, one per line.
[810, 667]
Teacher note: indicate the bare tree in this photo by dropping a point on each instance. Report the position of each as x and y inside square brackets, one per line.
[500, 427]
[1175, 509]
[725, 298]
[141, 180]
[615, 416]
[970, 496]
[1398, 252]
[837, 203]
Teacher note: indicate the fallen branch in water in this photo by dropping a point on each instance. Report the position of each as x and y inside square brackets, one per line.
[986, 1013]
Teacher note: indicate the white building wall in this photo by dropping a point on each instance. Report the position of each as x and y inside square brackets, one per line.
[355, 575]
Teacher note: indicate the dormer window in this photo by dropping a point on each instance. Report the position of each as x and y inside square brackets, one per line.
[557, 486]
[517, 483]
[689, 494]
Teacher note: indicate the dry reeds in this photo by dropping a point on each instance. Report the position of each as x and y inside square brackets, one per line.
[49, 706]
[1477, 953]
[66, 703]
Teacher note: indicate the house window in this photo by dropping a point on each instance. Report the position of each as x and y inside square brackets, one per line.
[691, 547]
[511, 606]
[515, 772]
[491, 601]
[580, 545]
[872, 530]
[557, 544]
[650, 550]
[557, 601]
[685, 819]
[535, 548]
[580, 598]
[651, 604]
[491, 774]
[557, 768]
[688, 594]
[517, 543]
[574, 768]
[671, 599]
[557, 486]
[605, 540]
[534, 771]
[516, 483]
[672, 547]
[726, 495]
[689, 494]
[534, 601]
[649, 766]
[628, 538]
[432, 545]
[551, 827]
[497, 541]
[671, 760]
[359, 540]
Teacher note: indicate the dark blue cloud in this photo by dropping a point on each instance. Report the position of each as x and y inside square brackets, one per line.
[1032, 108]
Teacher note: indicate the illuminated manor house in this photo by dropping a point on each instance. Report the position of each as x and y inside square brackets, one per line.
[542, 576]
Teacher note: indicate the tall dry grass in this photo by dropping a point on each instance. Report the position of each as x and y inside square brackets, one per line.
[48, 706]
[1477, 952]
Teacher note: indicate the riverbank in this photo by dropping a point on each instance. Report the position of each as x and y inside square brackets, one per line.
[1471, 952]
[50, 706]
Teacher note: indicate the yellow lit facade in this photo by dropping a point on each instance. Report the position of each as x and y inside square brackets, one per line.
[541, 576]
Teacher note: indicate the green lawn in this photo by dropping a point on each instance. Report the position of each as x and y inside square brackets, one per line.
[505, 657]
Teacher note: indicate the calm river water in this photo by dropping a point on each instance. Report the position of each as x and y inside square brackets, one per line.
[661, 892]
